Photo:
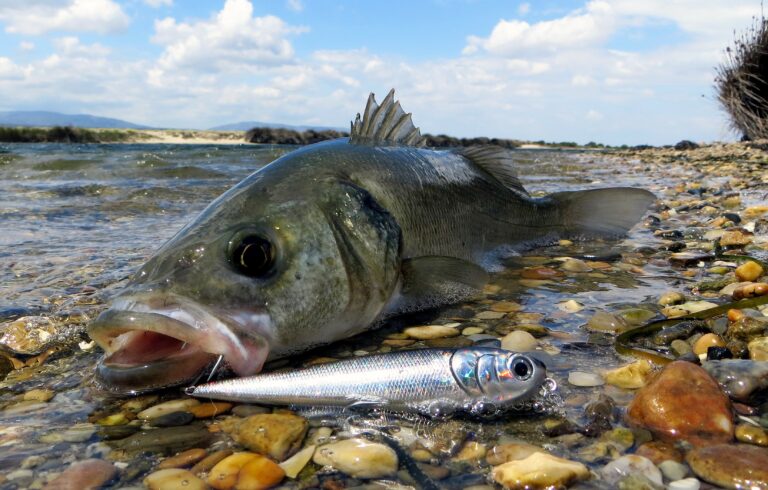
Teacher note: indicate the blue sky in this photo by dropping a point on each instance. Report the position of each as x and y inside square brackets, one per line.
[612, 71]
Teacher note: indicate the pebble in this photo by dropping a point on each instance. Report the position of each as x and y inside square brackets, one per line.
[167, 407]
[186, 458]
[471, 451]
[673, 470]
[658, 451]
[293, 465]
[166, 440]
[490, 315]
[740, 378]
[684, 484]
[173, 419]
[749, 271]
[750, 290]
[259, 473]
[539, 470]
[174, 479]
[358, 458]
[751, 434]
[38, 395]
[602, 321]
[506, 306]
[519, 341]
[758, 349]
[77, 433]
[226, 473]
[630, 376]
[208, 462]
[209, 409]
[84, 475]
[731, 465]
[631, 464]
[277, 435]
[705, 342]
[687, 308]
[671, 298]
[683, 403]
[585, 379]
[504, 453]
[575, 265]
[29, 335]
[680, 347]
[472, 331]
[736, 237]
[541, 273]
[570, 306]
[431, 332]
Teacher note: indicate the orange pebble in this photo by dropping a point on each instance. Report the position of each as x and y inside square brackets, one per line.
[259, 473]
[734, 315]
[206, 410]
[705, 342]
[224, 475]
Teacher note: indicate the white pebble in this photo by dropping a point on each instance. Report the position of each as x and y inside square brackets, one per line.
[684, 484]
[519, 341]
[581, 378]
[673, 470]
[570, 306]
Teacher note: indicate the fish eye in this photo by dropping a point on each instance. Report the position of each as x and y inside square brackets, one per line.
[252, 255]
[522, 368]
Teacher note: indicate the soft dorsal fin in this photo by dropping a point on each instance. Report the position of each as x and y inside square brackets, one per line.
[385, 125]
[498, 162]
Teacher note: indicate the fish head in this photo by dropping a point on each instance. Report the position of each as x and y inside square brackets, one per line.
[496, 377]
[262, 272]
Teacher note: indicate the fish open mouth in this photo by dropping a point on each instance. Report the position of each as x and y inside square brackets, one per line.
[149, 348]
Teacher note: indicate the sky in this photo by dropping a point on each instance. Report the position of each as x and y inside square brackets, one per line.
[609, 71]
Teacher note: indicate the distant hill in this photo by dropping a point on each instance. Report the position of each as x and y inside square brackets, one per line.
[44, 118]
[246, 125]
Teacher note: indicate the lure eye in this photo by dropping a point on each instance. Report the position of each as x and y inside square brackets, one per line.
[522, 369]
[252, 255]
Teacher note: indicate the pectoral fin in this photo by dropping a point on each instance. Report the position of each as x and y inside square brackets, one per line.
[432, 281]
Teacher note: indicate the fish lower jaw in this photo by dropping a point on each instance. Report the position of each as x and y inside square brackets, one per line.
[151, 349]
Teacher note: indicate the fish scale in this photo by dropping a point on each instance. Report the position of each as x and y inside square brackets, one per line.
[426, 380]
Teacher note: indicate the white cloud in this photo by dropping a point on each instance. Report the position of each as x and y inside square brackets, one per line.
[295, 5]
[589, 26]
[71, 47]
[159, 3]
[232, 40]
[35, 17]
[11, 71]
[26, 46]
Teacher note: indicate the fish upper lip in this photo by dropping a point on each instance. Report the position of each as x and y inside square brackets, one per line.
[185, 320]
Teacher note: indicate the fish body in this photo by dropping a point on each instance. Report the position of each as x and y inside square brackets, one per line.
[328, 240]
[475, 380]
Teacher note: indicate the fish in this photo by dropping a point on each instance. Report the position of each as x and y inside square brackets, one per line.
[330, 240]
[478, 381]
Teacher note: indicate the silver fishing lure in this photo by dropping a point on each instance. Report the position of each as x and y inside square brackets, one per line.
[434, 382]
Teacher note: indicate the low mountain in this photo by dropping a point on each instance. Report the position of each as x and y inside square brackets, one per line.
[45, 118]
[246, 125]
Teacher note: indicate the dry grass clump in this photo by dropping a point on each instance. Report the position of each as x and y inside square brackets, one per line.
[742, 81]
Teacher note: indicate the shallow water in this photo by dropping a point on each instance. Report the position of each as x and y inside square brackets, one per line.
[76, 221]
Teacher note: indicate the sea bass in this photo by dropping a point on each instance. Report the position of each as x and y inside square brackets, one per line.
[328, 240]
[479, 381]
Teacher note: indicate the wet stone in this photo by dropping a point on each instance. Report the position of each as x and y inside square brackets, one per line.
[358, 458]
[690, 258]
[740, 378]
[749, 271]
[84, 475]
[758, 349]
[751, 434]
[541, 273]
[717, 353]
[174, 479]
[519, 341]
[277, 435]
[683, 403]
[293, 465]
[731, 465]
[631, 464]
[735, 238]
[504, 453]
[658, 451]
[186, 458]
[167, 407]
[602, 321]
[629, 376]
[29, 335]
[165, 440]
[585, 379]
[672, 470]
[448, 343]
[539, 470]
[431, 332]
[706, 341]
[173, 419]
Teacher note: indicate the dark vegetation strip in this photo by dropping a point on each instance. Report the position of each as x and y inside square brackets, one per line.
[61, 134]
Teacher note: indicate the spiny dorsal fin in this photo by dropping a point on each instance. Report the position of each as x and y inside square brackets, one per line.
[385, 125]
[498, 162]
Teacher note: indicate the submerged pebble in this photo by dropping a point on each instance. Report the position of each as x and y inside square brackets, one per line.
[519, 341]
[277, 435]
[84, 475]
[174, 479]
[539, 470]
[358, 458]
[431, 332]
[731, 465]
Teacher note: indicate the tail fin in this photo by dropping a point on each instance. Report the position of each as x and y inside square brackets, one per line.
[600, 212]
